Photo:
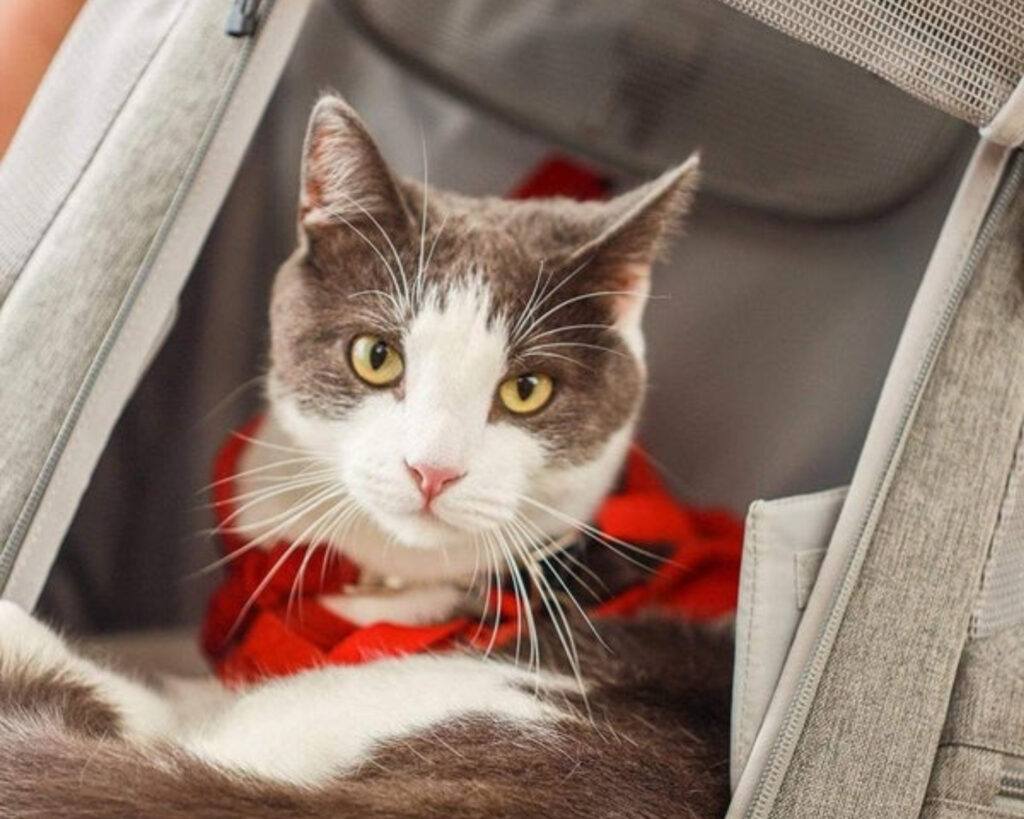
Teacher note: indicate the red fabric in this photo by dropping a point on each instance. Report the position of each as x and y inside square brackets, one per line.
[557, 176]
[281, 633]
[283, 630]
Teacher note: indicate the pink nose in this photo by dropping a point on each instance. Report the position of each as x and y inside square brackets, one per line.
[432, 479]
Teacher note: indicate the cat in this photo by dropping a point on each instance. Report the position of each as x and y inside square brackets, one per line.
[454, 382]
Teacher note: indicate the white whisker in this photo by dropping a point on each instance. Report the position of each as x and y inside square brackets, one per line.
[539, 348]
[398, 259]
[568, 328]
[423, 220]
[569, 277]
[256, 470]
[603, 538]
[529, 353]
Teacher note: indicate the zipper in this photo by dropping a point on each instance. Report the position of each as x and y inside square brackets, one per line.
[1011, 785]
[242, 18]
[10, 549]
[782, 748]
[1010, 796]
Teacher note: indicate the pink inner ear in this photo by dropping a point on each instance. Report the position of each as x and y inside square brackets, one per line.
[636, 279]
[312, 188]
[311, 198]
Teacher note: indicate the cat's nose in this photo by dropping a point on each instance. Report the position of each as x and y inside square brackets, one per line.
[432, 479]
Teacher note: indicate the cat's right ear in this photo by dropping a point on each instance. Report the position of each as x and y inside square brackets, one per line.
[345, 181]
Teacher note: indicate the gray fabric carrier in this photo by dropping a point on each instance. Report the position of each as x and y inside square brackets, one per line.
[880, 629]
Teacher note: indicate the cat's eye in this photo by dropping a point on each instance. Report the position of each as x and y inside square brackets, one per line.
[375, 361]
[526, 393]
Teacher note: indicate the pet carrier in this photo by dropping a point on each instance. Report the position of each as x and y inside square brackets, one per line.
[848, 308]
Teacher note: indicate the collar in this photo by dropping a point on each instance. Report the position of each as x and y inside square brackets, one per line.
[693, 573]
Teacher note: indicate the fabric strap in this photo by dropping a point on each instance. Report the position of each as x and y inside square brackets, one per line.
[870, 736]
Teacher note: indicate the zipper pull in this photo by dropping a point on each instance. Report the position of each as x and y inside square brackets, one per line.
[243, 17]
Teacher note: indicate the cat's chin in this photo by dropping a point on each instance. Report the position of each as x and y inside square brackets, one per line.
[413, 548]
[424, 530]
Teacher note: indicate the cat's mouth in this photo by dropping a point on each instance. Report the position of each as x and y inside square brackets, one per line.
[431, 526]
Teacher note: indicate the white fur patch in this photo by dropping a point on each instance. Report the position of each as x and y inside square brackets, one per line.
[309, 728]
[413, 606]
[302, 729]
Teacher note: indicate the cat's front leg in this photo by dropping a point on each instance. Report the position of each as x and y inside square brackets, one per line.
[41, 675]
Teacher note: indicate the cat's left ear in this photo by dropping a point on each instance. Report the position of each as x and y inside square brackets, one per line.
[345, 180]
[631, 231]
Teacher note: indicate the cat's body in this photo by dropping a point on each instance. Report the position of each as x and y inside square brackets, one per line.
[454, 387]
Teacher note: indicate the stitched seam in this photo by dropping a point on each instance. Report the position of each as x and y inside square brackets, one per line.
[744, 727]
[984, 743]
[978, 810]
[816, 497]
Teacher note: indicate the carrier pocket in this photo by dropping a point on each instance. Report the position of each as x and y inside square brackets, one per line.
[783, 546]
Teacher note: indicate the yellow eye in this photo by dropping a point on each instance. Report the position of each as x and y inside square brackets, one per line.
[375, 361]
[526, 393]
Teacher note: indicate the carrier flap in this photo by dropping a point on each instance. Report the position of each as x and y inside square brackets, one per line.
[783, 546]
[89, 281]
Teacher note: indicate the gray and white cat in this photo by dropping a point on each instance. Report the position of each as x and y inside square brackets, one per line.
[454, 384]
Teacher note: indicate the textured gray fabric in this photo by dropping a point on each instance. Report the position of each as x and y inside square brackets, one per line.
[987, 707]
[64, 313]
[983, 737]
[65, 123]
[963, 56]
[808, 562]
[1001, 603]
[869, 739]
[948, 273]
[964, 775]
[955, 810]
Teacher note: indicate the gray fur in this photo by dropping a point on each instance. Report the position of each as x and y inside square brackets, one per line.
[338, 285]
[656, 746]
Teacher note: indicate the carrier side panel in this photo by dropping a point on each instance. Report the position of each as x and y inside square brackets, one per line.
[81, 319]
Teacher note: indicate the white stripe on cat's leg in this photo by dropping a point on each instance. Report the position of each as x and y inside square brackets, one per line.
[316, 725]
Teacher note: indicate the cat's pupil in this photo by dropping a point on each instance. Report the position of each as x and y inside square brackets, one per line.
[525, 385]
[378, 355]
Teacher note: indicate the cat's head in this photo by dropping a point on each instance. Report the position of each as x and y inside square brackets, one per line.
[472, 368]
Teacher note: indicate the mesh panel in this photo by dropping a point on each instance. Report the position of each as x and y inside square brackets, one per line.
[639, 85]
[963, 56]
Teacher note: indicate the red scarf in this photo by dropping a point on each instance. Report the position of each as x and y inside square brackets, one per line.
[272, 637]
